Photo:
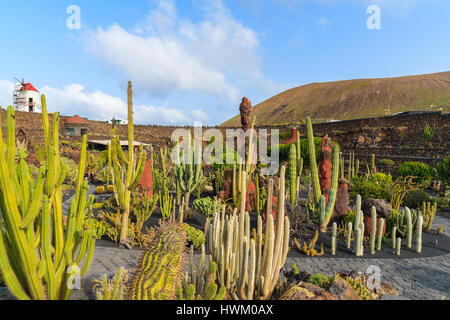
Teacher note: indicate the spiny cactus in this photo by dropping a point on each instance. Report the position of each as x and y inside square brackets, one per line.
[398, 245]
[409, 230]
[245, 268]
[159, 272]
[349, 235]
[380, 233]
[419, 234]
[333, 238]
[188, 168]
[112, 289]
[134, 171]
[428, 212]
[309, 249]
[38, 255]
[201, 283]
[293, 174]
[373, 222]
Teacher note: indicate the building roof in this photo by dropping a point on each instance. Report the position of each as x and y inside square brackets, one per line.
[76, 120]
[28, 87]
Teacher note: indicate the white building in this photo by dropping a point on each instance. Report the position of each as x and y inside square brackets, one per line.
[27, 98]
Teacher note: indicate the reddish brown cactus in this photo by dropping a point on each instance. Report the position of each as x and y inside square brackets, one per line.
[325, 167]
[146, 182]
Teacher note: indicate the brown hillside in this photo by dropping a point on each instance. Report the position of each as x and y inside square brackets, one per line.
[351, 99]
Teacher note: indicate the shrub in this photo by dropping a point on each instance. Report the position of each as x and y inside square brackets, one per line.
[414, 199]
[194, 236]
[205, 206]
[442, 172]
[428, 132]
[284, 150]
[442, 202]
[320, 280]
[386, 162]
[376, 186]
[420, 171]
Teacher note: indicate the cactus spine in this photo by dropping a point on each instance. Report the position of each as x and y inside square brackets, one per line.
[37, 255]
[380, 234]
[293, 174]
[333, 238]
[245, 267]
[373, 230]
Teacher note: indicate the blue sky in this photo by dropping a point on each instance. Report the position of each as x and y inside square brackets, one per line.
[195, 60]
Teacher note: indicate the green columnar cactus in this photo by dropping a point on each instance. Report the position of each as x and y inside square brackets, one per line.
[293, 174]
[409, 230]
[341, 165]
[419, 234]
[358, 249]
[394, 237]
[333, 238]
[373, 168]
[373, 230]
[326, 213]
[299, 163]
[39, 258]
[398, 245]
[349, 235]
[159, 272]
[380, 234]
[188, 169]
[202, 280]
[246, 268]
[111, 289]
[428, 212]
[312, 160]
[133, 171]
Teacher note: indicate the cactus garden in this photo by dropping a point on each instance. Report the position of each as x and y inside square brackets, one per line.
[181, 151]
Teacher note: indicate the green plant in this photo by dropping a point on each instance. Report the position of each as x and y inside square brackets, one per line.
[420, 171]
[195, 237]
[320, 280]
[441, 172]
[201, 283]
[159, 272]
[245, 268]
[142, 206]
[133, 171]
[38, 255]
[376, 186]
[113, 289]
[428, 132]
[399, 220]
[205, 206]
[165, 204]
[415, 198]
[428, 212]
[188, 168]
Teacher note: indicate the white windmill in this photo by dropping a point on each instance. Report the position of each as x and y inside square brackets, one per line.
[26, 97]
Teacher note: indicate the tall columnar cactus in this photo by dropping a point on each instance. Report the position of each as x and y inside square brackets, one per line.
[373, 230]
[380, 233]
[188, 169]
[394, 237]
[419, 234]
[299, 163]
[201, 284]
[409, 226]
[246, 268]
[349, 235]
[428, 212]
[159, 272]
[293, 174]
[398, 245]
[326, 208]
[39, 256]
[356, 167]
[134, 171]
[333, 238]
[358, 243]
[373, 168]
[325, 215]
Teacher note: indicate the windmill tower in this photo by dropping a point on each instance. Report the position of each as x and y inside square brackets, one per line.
[26, 97]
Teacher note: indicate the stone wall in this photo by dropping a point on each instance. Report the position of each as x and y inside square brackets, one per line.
[397, 137]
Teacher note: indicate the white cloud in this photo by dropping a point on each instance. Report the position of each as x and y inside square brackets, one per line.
[166, 53]
[97, 105]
